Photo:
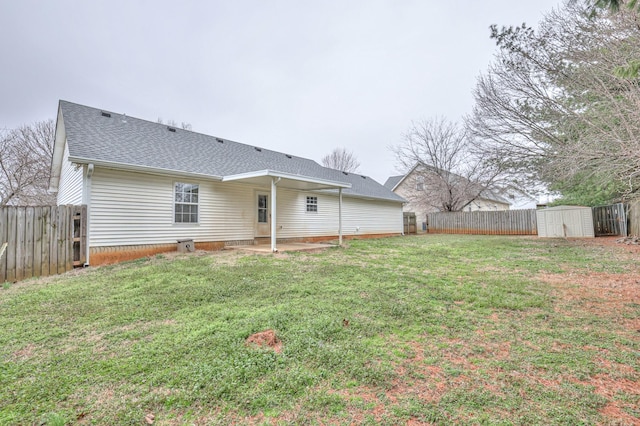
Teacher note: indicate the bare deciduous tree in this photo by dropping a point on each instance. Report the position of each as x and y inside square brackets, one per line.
[184, 125]
[341, 159]
[25, 162]
[449, 175]
[552, 107]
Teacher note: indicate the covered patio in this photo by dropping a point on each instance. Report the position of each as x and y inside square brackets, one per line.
[273, 179]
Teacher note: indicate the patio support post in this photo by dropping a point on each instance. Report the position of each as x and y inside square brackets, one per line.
[86, 199]
[274, 181]
[340, 216]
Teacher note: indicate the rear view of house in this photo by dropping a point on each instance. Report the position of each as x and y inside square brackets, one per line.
[148, 185]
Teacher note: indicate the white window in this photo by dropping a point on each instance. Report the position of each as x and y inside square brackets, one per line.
[312, 204]
[263, 208]
[185, 203]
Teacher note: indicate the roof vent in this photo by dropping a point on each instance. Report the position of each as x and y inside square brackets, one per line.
[105, 114]
[257, 149]
[363, 177]
[220, 140]
[288, 156]
[171, 129]
[345, 173]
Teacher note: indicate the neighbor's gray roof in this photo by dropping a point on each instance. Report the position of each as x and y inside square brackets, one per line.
[392, 181]
[130, 141]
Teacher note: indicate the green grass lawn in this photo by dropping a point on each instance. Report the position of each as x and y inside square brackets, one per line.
[441, 329]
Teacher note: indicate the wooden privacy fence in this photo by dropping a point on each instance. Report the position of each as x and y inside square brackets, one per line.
[507, 222]
[40, 241]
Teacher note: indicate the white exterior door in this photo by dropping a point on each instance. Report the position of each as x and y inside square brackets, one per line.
[263, 215]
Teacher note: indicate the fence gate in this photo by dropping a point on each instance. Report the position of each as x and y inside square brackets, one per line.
[409, 220]
[41, 241]
[610, 220]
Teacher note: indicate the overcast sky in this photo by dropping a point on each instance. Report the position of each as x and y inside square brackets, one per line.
[299, 77]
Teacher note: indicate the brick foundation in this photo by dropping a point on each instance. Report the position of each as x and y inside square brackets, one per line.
[108, 255]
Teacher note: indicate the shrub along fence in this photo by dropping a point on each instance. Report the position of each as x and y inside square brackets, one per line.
[507, 222]
[41, 241]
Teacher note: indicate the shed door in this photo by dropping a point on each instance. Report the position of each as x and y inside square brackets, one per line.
[263, 215]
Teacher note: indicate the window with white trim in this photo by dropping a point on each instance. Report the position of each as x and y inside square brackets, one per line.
[312, 204]
[185, 202]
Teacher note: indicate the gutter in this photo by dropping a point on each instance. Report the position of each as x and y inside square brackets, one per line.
[144, 169]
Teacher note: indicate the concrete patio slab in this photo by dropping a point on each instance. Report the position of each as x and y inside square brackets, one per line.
[282, 248]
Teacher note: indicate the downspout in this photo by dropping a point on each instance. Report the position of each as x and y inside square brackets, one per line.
[274, 216]
[87, 201]
[339, 216]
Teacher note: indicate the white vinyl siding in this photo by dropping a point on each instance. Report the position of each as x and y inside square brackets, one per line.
[136, 208]
[359, 216]
[485, 205]
[70, 187]
[130, 208]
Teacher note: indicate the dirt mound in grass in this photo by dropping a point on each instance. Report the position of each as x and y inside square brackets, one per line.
[266, 339]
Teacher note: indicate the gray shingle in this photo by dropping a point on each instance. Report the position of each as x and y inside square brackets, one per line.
[392, 181]
[134, 142]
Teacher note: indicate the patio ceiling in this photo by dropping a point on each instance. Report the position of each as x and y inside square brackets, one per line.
[285, 180]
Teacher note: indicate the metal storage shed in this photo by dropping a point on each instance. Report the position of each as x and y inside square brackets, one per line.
[565, 221]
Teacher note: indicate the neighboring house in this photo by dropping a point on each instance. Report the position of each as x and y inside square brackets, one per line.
[488, 201]
[148, 185]
[413, 187]
[519, 199]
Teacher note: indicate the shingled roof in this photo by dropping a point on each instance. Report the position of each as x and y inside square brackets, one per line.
[105, 137]
[392, 182]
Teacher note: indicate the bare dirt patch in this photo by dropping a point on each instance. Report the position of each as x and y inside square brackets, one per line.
[265, 339]
[606, 295]
[603, 294]
[613, 242]
[25, 353]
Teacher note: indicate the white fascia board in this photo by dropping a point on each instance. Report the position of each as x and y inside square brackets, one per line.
[283, 175]
[57, 159]
[142, 169]
[406, 175]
